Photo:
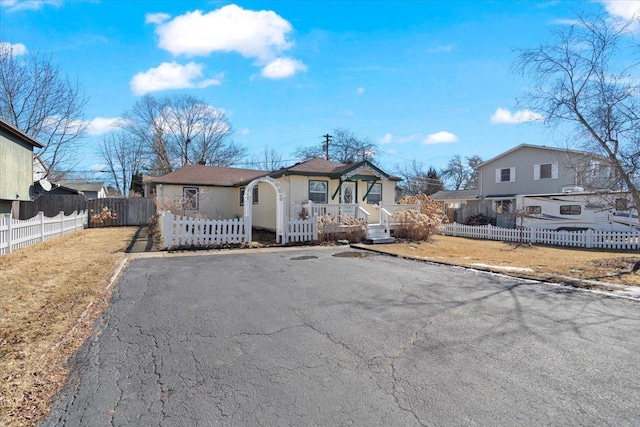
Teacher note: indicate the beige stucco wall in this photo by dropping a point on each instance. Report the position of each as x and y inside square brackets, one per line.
[214, 202]
[16, 173]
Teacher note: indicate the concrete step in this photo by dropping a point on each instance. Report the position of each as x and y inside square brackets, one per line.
[380, 240]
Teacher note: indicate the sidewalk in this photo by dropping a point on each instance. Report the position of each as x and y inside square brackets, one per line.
[142, 242]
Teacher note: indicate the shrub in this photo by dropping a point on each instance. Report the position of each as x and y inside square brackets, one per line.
[420, 225]
[103, 217]
[343, 227]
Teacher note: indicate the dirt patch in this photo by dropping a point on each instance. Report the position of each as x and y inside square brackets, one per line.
[622, 265]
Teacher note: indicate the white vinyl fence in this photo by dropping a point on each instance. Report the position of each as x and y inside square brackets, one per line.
[17, 234]
[302, 230]
[584, 239]
[181, 231]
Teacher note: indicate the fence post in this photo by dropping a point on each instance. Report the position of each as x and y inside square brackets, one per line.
[166, 228]
[489, 232]
[532, 235]
[589, 238]
[41, 217]
[315, 227]
[61, 223]
[9, 232]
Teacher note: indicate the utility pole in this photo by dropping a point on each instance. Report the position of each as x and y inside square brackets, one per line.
[327, 138]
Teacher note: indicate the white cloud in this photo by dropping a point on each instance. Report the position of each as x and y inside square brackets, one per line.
[502, 116]
[156, 18]
[102, 125]
[389, 138]
[360, 90]
[16, 5]
[442, 137]
[260, 34]
[17, 49]
[282, 67]
[244, 132]
[625, 9]
[170, 75]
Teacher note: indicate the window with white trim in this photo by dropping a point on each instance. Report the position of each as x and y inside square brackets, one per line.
[375, 193]
[506, 175]
[318, 191]
[503, 206]
[255, 195]
[190, 198]
[545, 171]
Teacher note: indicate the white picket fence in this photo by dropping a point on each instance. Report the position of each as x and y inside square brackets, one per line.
[584, 239]
[302, 230]
[18, 234]
[181, 231]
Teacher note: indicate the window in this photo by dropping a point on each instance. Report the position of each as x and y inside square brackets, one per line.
[190, 198]
[506, 175]
[255, 195]
[570, 209]
[545, 171]
[375, 193]
[534, 210]
[318, 191]
[503, 206]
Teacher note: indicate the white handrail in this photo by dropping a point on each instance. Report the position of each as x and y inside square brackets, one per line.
[385, 219]
[364, 212]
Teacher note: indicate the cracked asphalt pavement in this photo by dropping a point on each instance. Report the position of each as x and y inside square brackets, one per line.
[306, 338]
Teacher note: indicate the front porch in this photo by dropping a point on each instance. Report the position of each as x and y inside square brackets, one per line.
[377, 219]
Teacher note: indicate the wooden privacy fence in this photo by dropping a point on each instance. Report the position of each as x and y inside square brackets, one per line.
[135, 211]
[17, 233]
[584, 239]
[181, 231]
[52, 205]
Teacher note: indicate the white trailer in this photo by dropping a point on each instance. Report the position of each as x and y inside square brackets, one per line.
[577, 211]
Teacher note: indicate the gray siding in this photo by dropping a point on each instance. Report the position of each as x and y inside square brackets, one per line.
[16, 168]
[524, 161]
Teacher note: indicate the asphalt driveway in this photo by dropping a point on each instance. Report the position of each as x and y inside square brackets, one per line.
[308, 338]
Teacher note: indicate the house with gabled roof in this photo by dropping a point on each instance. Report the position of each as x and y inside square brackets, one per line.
[16, 167]
[218, 192]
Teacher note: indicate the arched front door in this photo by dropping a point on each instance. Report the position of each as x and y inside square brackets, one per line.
[280, 211]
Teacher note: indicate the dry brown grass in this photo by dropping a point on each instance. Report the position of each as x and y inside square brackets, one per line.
[44, 293]
[545, 262]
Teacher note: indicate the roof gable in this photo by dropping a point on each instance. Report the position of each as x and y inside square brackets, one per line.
[19, 134]
[537, 147]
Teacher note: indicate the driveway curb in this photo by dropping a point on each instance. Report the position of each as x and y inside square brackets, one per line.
[599, 287]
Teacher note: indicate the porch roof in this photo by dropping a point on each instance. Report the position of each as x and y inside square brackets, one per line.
[323, 167]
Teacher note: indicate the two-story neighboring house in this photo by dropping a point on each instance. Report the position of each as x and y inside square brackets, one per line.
[525, 170]
[16, 166]
[534, 169]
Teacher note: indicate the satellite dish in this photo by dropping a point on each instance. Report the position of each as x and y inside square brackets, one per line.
[46, 185]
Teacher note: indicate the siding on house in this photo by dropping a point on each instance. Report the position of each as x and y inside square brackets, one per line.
[568, 169]
[16, 165]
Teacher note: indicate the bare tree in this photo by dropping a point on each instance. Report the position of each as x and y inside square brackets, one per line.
[461, 173]
[415, 180]
[584, 79]
[124, 156]
[182, 130]
[268, 160]
[38, 99]
[344, 147]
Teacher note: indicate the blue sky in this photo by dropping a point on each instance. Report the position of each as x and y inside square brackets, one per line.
[424, 79]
